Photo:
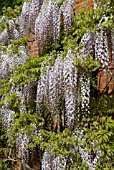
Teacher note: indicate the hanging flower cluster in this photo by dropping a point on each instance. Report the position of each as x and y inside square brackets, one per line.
[30, 11]
[59, 83]
[101, 48]
[24, 18]
[112, 36]
[52, 17]
[10, 32]
[53, 162]
[9, 59]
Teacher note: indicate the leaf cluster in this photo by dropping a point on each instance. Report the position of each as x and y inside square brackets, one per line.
[9, 3]
[95, 133]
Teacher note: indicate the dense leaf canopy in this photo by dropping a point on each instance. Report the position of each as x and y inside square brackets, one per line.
[51, 104]
[9, 3]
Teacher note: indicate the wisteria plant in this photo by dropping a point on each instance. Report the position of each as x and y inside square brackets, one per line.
[51, 104]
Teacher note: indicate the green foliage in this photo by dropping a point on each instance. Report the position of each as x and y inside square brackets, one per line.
[98, 137]
[9, 14]
[28, 72]
[26, 124]
[92, 20]
[9, 3]
[87, 65]
[95, 133]
[101, 134]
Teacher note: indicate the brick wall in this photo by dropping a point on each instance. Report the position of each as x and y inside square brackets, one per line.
[86, 4]
[106, 81]
[32, 45]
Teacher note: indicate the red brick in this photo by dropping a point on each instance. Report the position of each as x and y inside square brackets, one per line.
[112, 81]
[104, 79]
[86, 4]
[35, 47]
[35, 50]
[78, 1]
[111, 86]
[102, 73]
[102, 85]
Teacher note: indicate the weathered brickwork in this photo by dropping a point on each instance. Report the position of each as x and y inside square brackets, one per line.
[106, 81]
[32, 45]
[86, 4]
